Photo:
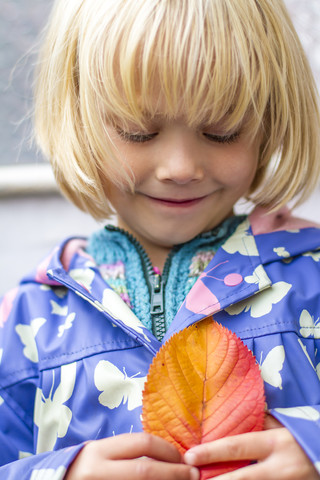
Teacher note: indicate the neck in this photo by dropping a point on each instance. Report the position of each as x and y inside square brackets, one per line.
[156, 253]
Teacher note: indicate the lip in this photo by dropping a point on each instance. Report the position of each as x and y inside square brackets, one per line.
[177, 202]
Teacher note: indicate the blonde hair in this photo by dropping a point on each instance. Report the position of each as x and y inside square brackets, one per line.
[103, 60]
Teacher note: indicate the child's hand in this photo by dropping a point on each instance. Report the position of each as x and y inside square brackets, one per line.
[277, 453]
[119, 457]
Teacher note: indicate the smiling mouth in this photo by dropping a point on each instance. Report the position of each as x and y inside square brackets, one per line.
[174, 202]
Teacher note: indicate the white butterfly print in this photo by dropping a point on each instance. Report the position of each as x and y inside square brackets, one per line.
[241, 241]
[59, 292]
[305, 413]
[117, 387]
[84, 276]
[51, 416]
[119, 310]
[1, 353]
[48, 473]
[272, 365]
[317, 466]
[67, 324]
[309, 327]
[281, 252]
[24, 454]
[259, 277]
[113, 304]
[314, 255]
[304, 349]
[27, 334]
[1, 401]
[261, 303]
[56, 309]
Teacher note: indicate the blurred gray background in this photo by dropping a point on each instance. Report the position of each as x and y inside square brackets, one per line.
[33, 216]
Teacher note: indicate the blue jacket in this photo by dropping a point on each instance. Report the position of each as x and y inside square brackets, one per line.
[74, 357]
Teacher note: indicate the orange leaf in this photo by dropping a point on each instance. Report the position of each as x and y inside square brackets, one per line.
[203, 384]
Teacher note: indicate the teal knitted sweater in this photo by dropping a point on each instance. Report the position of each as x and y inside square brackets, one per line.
[125, 266]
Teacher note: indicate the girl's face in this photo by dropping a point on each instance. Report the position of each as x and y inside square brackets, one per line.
[187, 180]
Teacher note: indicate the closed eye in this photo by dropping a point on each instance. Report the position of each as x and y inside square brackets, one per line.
[222, 138]
[136, 137]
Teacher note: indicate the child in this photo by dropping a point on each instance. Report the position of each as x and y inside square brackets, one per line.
[167, 112]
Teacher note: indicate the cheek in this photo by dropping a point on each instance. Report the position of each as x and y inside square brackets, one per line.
[136, 166]
[240, 168]
[116, 194]
[131, 163]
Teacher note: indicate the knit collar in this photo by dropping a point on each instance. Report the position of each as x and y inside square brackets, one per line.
[125, 265]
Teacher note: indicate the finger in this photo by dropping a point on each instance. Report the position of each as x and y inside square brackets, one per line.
[94, 461]
[129, 446]
[281, 465]
[251, 472]
[139, 469]
[146, 470]
[247, 446]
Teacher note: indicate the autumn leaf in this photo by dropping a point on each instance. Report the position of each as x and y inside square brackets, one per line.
[203, 384]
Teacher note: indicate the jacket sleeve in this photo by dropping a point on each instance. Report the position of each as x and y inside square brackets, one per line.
[301, 412]
[304, 424]
[16, 458]
[19, 379]
[44, 466]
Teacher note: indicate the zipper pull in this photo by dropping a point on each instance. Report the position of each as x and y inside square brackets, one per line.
[157, 293]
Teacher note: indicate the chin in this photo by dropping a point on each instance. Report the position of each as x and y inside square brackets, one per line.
[177, 237]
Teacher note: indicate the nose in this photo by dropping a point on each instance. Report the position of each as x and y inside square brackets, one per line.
[180, 162]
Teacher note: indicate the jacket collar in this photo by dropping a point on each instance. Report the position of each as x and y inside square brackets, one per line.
[281, 235]
[235, 273]
[237, 270]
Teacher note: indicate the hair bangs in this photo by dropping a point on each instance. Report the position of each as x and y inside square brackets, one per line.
[196, 66]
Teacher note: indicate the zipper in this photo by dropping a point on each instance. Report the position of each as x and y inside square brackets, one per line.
[157, 297]
[156, 283]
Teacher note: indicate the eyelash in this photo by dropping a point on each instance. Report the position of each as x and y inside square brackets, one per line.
[136, 137]
[222, 139]
[143, 138]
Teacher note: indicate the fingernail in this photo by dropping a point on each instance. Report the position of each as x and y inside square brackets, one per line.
[194, 474]
[189, 458]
